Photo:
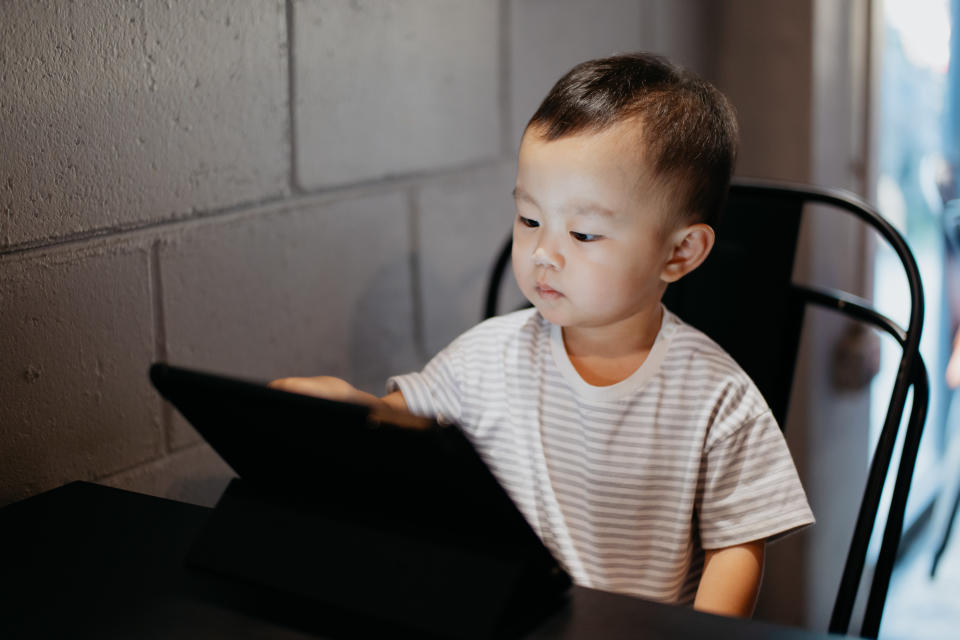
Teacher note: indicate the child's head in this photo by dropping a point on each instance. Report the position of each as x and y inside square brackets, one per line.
[685, 130]
[622, 173]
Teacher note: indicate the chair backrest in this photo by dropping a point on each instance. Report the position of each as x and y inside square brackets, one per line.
[743, 296]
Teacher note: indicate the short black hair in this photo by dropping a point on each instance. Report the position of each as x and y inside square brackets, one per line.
[688, 128]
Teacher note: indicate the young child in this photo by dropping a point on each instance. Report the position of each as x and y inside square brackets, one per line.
[640, 452]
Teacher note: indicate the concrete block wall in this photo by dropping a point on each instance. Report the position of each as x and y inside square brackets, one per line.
[259, 188]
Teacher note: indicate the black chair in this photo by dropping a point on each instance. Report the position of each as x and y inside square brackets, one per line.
[760, 226]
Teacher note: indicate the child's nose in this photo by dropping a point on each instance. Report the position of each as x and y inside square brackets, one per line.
[544, 257]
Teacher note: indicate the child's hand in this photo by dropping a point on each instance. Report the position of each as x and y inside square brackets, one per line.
[324, 387]
[336, 389]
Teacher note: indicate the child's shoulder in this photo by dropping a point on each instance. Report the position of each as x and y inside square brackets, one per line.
[496, 335]
[692, 349]
[493, 333]
[701, 368]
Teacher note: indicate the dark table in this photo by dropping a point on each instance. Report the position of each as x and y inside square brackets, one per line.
[86, 560]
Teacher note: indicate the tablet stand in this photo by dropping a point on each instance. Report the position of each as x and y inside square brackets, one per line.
[379, 565]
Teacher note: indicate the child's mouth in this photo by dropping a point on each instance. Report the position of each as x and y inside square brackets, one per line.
[546, 292]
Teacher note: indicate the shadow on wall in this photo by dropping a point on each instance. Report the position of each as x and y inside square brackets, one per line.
[384, 336]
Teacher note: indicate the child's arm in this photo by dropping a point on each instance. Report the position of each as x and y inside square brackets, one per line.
[337, 389]
[731, 580]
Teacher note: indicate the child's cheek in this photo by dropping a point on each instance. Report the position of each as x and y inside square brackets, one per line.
[600, 290]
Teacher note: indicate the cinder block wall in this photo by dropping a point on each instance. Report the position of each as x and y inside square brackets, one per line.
[260, 188]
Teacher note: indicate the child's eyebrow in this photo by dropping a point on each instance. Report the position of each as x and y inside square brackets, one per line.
[593, 210]
[520, 194]
[584, 209]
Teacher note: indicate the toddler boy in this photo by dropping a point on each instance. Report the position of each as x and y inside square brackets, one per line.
[640, 452]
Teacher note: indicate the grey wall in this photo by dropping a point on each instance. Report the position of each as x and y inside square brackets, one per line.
[293, 188]
[258, 188]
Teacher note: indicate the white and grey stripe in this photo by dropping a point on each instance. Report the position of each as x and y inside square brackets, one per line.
[626, 484]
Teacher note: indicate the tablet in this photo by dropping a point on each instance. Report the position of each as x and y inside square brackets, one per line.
[299, 443]
[341, 454]
[410, 483]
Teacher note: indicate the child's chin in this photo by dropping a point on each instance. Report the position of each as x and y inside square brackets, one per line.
[551, 315]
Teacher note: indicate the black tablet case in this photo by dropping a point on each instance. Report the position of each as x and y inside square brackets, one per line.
[404, 525]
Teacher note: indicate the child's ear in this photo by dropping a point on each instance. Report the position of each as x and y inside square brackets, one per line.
[690, 246]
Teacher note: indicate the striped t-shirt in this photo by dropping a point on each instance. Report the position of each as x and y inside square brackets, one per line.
[626, 484]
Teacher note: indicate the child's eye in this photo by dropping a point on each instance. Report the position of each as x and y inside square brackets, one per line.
[584, 237]
[527, 222]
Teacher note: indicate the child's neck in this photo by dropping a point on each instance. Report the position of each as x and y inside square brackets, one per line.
[607, 355]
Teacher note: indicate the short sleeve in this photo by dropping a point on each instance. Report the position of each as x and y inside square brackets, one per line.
[435, 392]
[750, 489]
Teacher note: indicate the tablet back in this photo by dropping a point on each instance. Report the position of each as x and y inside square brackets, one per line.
[405, 523]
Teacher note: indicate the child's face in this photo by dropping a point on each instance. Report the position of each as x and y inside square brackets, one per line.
[589, 243]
